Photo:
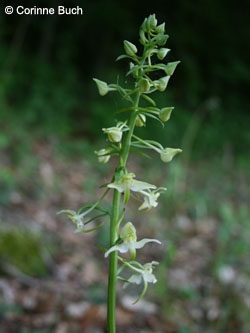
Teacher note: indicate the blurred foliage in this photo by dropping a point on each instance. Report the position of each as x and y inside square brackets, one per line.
[25, 250]
[46, 86]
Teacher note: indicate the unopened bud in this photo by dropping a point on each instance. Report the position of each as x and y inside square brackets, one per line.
[102, 155]
[114, 134]
[168, 154]
[170, 68]
[161, 40]
[151, 22]
[102, 87]
[161, 54]
[129, 48]
[165, 113]
[140, 120]
[162, 83]
[144, 25]
[161, 28]
[144, 85]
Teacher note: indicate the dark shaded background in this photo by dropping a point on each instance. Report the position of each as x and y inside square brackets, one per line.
[50, 123]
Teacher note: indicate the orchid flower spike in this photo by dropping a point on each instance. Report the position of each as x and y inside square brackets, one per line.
[127, 183]
[115, 133]
[150, 198]
[129, 241]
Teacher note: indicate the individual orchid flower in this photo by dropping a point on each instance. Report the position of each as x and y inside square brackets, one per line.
[115, 133]
[143, 274]
[127, 183]
[150, 198]
[166, 154]
[103, 155]
[78, 220]
[129, 241]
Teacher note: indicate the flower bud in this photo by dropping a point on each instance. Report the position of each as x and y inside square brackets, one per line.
[102, 87]
[162, 83]
[102, 155]
[143, 39]
[140, 120]
[167, 154]
[160, 29]
[128, 233]
[161, 54]
[170, 68]
[144, 25]
[115, 135]
[165, 113]
[151, 22]
[161, 40]
[144, 85]
[129, 48]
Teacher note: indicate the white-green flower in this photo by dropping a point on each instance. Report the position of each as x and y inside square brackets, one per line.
[166, 154]
[145, 274]
[129, 241]
[77, 219]
[150, 198]
[127, 183]
[115, 133]
[103, 155]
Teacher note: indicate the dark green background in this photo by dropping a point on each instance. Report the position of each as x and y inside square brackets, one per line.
[47, 65]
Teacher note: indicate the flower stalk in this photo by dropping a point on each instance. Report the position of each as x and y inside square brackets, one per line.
[121, 141]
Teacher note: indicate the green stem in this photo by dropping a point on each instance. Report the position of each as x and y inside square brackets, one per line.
[113, 264]
[111, 306]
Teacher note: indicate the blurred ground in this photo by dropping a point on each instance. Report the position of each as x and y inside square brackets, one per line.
[53, 280]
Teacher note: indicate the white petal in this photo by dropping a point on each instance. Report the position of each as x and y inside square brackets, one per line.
[121, 248]
[144, 205]
[138, 186]
[149, 277]
[135, 278]
[117, 186]
[141, 243]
